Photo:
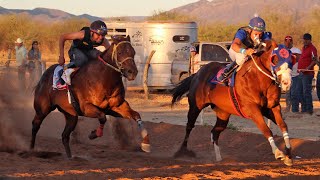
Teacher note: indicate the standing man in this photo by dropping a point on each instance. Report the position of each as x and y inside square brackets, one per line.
[194, 55]
[21, 60]
[293, 97]
[305, 67]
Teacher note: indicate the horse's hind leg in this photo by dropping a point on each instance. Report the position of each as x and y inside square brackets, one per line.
[36, 123]
[71, 122]
[221, 125]
[193, 114]
[42, 108]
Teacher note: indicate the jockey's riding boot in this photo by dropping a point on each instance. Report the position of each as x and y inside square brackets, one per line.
[228, 71]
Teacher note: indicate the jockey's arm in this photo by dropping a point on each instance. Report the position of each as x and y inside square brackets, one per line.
[236, 46]
[62, 40]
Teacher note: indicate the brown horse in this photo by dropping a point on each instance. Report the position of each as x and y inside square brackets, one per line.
[257, 93]
[98, 89]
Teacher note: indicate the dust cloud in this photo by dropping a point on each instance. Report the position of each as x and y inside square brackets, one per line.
[13, 104]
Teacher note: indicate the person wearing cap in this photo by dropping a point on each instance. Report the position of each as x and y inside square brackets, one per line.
[293, 97]
[305, 67]
[245, 39]
[21, 60]
[194, 56]
[83, 46]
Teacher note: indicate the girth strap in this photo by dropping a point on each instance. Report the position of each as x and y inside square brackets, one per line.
[235, 102]
[75, 104]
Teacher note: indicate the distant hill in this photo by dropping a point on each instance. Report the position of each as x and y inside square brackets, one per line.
[228, 11]
[45, 14]
[235, 11]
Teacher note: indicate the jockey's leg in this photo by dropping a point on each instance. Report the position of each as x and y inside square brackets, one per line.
[77, 59]
[125, 111]
[238, 59]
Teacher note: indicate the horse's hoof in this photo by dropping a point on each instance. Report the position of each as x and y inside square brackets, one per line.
[279, 155]
[287, 161]
[184, 152]
[146, 147]
[93, 135]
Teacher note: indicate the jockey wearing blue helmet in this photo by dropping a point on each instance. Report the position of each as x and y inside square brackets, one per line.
[243, 44]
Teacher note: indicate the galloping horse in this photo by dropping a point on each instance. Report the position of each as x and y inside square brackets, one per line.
[98, 89]
[257, 92]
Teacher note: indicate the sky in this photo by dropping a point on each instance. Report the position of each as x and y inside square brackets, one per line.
[100, 8]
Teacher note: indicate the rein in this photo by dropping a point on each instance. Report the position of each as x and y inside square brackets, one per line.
[114, 57]
[271, 77]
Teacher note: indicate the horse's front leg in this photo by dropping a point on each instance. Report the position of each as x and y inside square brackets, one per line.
[99, 131]
[284, 129]
[126, 112]
[256, 116]
[92, 111]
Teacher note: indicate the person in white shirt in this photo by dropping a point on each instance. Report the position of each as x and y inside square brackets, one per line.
[21, 60]
[292, 97]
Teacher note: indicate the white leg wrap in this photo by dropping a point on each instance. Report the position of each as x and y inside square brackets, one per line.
[272, 144]
[144, 133]
[217, 152]
[286, 139]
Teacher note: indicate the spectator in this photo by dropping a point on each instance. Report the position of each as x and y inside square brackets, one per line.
[317, 61]
[293, 98]
[305, 67]
[21, 59]
[34, 63]
[194, 55]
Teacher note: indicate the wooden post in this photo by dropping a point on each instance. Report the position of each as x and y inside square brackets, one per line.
[145, 75]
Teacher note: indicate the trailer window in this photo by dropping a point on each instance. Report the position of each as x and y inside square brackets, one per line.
[181, 38]
[212, 52]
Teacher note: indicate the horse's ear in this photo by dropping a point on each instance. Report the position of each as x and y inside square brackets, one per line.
[274, 60]
[115, 39]
[128, 38]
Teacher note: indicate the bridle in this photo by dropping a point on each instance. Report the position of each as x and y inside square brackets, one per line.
[114, 57]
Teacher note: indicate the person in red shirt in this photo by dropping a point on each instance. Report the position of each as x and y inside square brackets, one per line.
[305, 67]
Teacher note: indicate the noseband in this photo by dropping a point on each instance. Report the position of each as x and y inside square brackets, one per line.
[114, 57]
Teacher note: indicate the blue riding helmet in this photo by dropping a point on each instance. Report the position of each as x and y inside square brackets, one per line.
[257, 24]
[99, 27]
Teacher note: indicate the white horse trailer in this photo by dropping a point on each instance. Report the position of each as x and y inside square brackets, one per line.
[169, 40]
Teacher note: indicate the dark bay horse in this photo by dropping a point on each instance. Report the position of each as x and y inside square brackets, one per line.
[257, 92]
[98, 89]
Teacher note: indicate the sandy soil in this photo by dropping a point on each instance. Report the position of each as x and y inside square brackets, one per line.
[245, 152]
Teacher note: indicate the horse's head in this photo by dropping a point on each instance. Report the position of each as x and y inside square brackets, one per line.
[279, 61]
[122, 57]
[282, 61]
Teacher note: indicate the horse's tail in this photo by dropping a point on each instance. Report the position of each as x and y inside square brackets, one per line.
[182, 88]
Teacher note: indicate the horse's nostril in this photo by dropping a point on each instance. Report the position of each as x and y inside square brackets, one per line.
[130, 71]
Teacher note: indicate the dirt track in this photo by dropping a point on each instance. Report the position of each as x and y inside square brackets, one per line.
[245, 154]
